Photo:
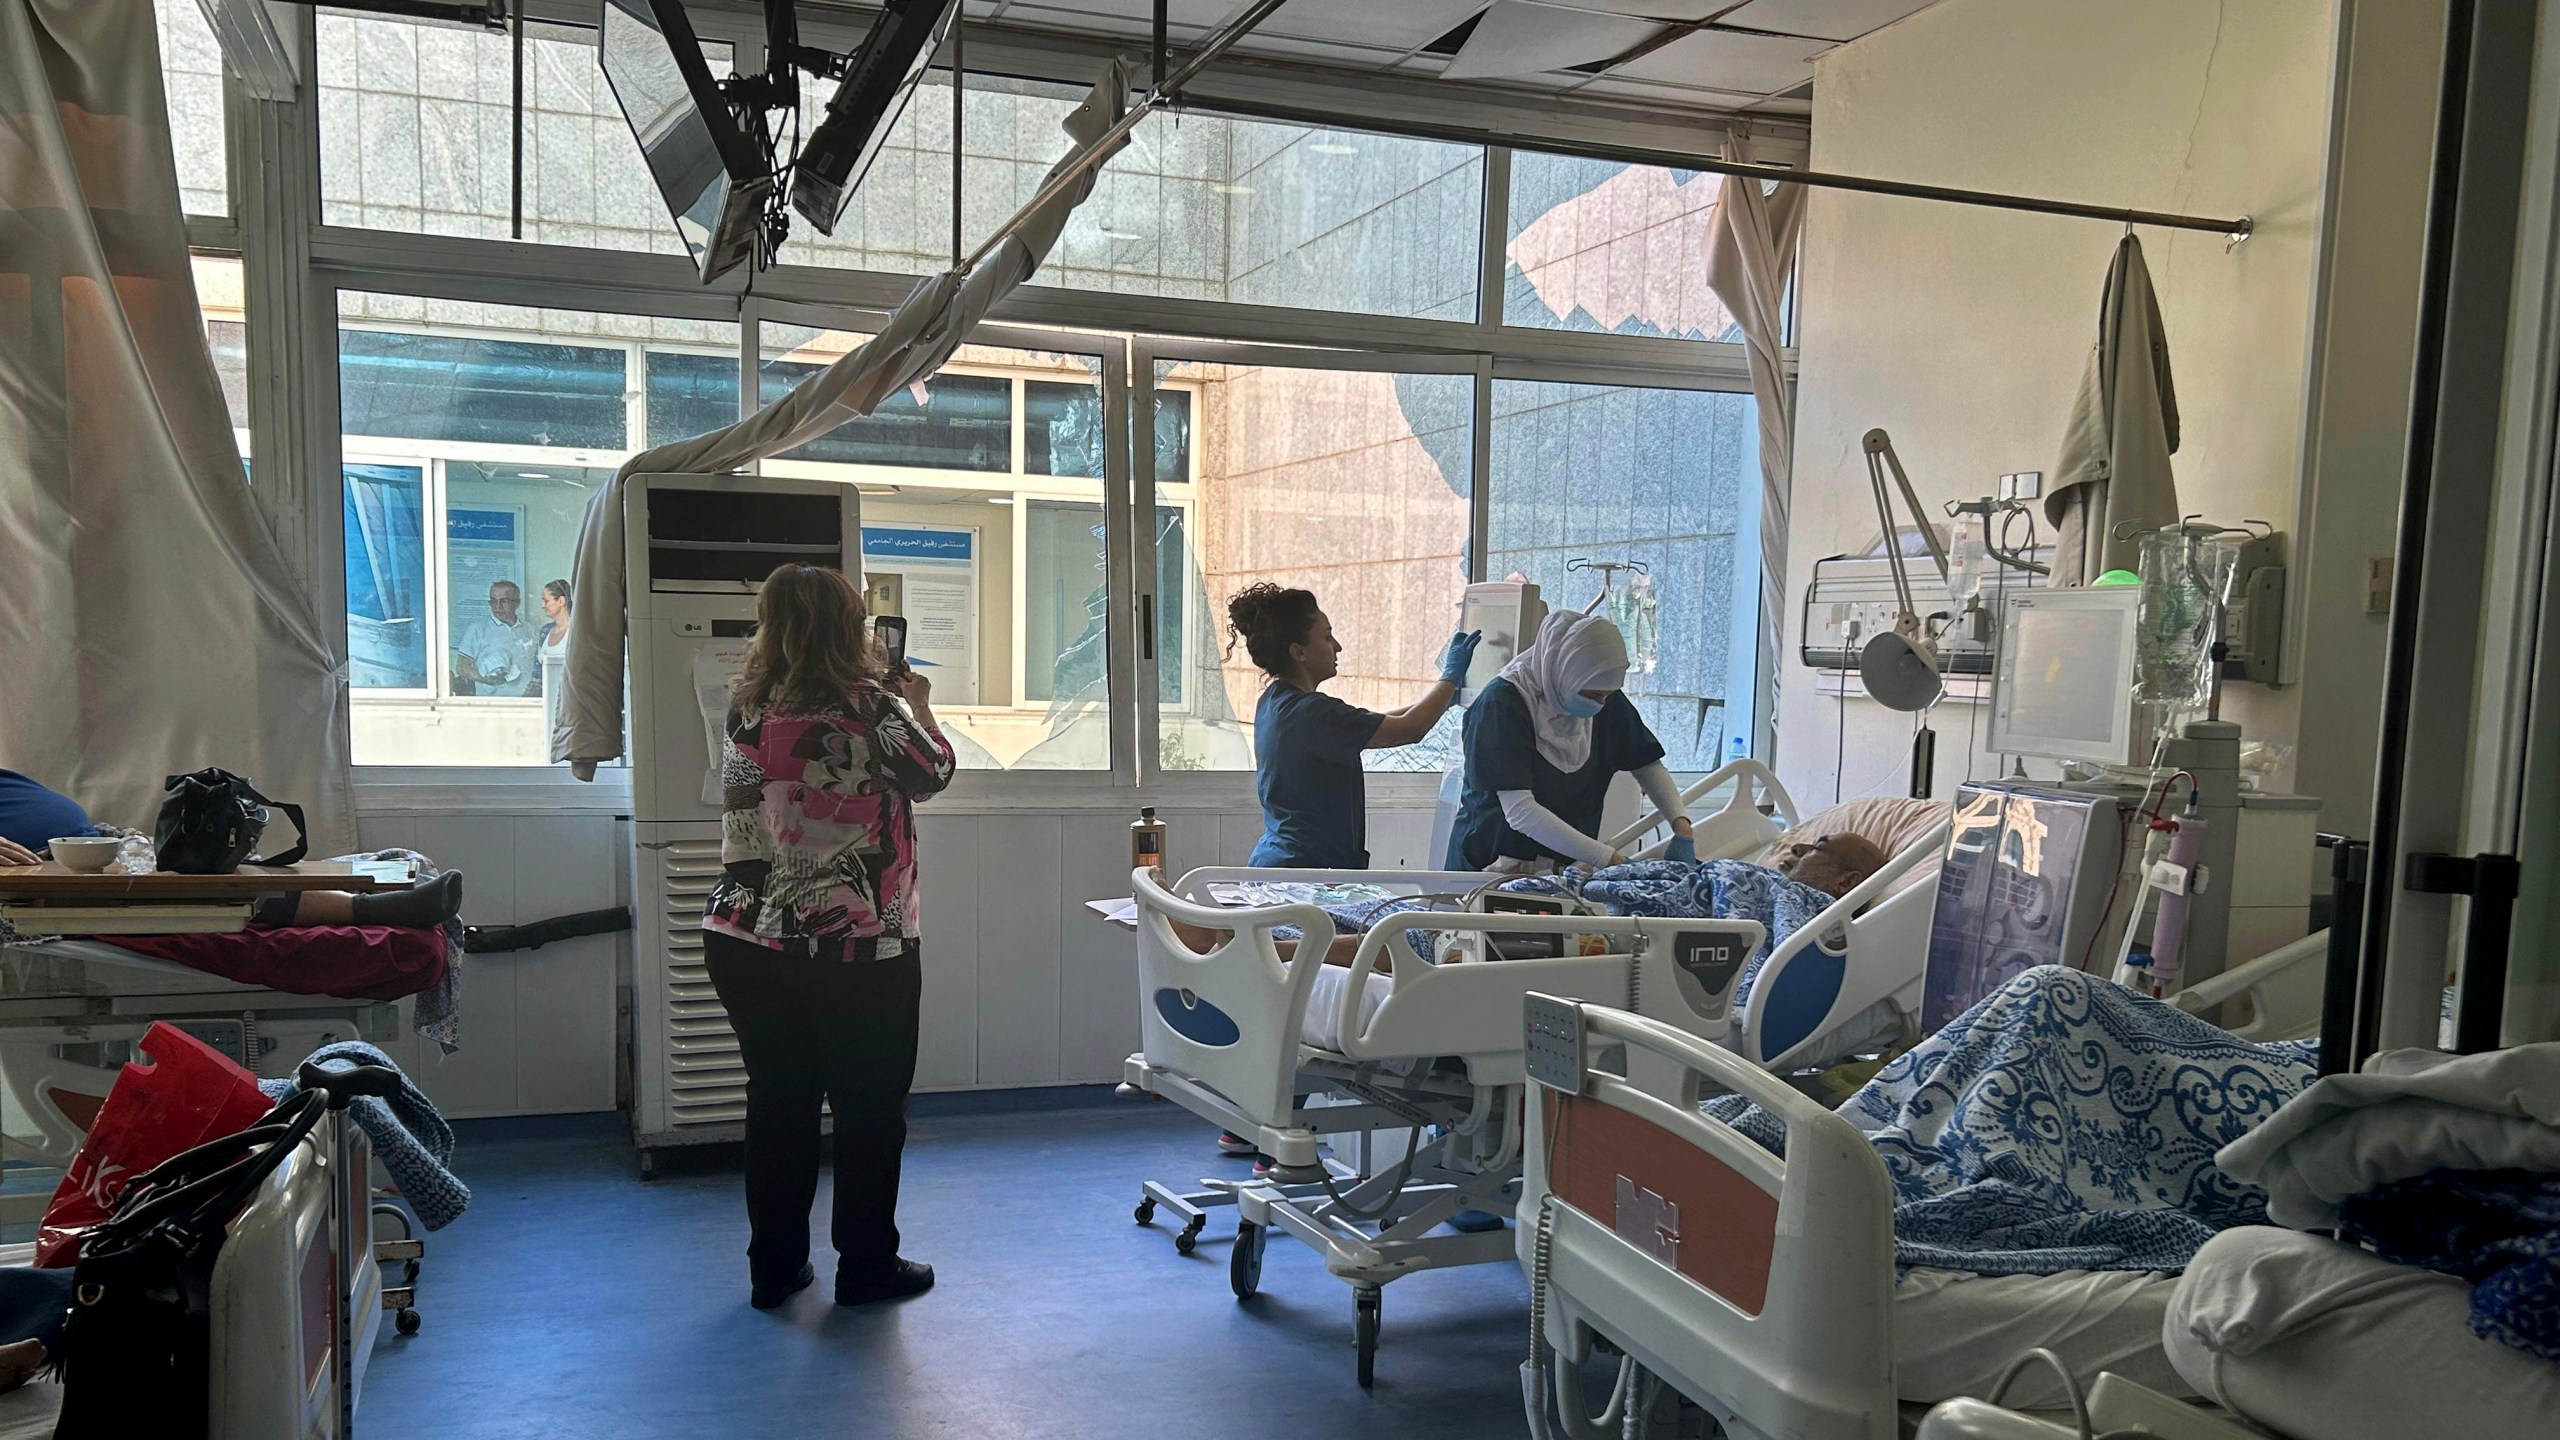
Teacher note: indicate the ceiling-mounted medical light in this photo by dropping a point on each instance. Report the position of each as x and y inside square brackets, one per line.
[875, 89]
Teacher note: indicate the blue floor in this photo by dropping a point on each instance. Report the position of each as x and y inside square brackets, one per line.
[576, 1299]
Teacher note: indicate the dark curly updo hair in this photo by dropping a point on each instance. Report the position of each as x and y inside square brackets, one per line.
[1269, 619]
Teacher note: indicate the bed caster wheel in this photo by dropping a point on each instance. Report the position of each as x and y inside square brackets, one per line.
[1244, 1263]
[1365, 1303]
[1189, 1239]
[407, 1322]
[1145, 1214]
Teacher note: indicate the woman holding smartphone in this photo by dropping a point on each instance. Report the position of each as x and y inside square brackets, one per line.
[813, 936]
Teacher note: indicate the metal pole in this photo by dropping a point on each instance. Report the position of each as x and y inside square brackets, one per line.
[1075, 167]
[515, 24]
[1683, 160]
[2342, 987]
[959, 73]
[2417, 486]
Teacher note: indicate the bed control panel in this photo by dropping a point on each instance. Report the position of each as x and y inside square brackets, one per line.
[1555, 1045]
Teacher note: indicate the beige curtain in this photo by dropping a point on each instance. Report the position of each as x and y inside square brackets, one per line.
[1751, 253]
[148, 624]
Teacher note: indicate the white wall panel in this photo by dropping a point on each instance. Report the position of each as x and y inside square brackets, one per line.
[1019, 905]
[480, 1078]
[1097, 960]
[954, 892]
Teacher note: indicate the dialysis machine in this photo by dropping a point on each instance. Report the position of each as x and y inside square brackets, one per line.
[697, 547]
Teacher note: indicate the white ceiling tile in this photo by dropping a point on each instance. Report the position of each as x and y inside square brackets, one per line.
[1719, 60]
[1398, 25]
[1827, 19]
[1687, 96]
[1521, 37]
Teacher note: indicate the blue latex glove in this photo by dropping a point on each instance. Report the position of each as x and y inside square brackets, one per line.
[1683, 849]
[1460, 654]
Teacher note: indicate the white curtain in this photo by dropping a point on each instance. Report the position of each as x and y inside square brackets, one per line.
[919, 336]
[1751, 252]
[148, 624]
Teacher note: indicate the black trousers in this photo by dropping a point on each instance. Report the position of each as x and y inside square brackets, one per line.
[815, 1029]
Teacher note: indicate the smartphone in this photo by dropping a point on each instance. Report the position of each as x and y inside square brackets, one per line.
[892, 630]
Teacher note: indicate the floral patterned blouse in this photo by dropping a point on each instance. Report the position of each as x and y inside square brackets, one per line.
[818, 830]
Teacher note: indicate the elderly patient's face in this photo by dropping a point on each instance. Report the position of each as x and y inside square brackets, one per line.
[504, 601]
[1832, 864]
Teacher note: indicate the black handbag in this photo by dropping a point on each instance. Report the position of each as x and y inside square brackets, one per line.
[211, 821]
[137, 1347]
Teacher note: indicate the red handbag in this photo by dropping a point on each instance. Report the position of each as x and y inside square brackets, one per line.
[189, 1094]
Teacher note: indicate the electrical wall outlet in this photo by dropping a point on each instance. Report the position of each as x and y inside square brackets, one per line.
[2023, 485]
[2377, 585]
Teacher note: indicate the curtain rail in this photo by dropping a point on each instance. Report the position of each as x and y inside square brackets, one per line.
[2239, 228]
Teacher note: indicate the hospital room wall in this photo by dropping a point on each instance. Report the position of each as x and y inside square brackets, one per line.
[1964, 331]
[538, 1026]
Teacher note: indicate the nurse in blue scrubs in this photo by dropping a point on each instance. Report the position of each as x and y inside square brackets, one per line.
[1307, 744]
[1544, 740]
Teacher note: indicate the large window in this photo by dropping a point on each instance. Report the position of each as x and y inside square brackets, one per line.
[471, 439]
[983, 525]
[1351, 483]
[191, 74]
[1667, 479]
[417, 135]
[1598, 245]
[1199, 207]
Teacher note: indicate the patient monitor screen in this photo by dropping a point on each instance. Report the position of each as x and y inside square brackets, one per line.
[2065, 679]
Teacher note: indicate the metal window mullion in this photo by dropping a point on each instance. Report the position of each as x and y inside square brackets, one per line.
[1493, 243]
[1123, 542]
[1480, 483]
[1147, 688]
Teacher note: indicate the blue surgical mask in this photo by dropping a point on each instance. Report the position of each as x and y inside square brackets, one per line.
[1580, 706]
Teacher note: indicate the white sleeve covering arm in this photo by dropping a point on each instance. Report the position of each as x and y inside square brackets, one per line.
[1663, 791]
[1521, 810]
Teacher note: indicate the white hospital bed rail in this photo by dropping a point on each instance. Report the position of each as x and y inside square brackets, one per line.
[1225, 1036]
[1741, 828]
[1761, 1289]
[1868, 947]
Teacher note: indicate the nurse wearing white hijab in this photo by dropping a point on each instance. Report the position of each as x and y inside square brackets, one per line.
[1543, 742]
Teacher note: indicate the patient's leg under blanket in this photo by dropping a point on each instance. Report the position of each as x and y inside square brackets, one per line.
[2064, 1123]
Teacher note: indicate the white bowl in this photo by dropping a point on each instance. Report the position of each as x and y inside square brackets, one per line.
[87, 853]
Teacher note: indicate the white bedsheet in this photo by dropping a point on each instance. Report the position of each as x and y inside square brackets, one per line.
[1323, 1029]
[1954, 1332]
[2322, 1341]
[29, 1412]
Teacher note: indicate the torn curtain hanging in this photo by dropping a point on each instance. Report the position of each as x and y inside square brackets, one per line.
[148, 622]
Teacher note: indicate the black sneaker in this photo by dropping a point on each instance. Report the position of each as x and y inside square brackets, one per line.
[1230, 1143]
[905, 1278]
[770, 1297]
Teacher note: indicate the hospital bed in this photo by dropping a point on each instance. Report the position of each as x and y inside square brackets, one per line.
[1853, 976]
[1432, 1064]
[1759, 1289]
[297, 1302]
[59, 996]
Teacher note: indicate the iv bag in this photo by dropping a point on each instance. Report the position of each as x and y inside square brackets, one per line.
[2186, 588]
[1637, 612]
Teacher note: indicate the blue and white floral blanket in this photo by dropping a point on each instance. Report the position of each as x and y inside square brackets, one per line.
[2064, 1123]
